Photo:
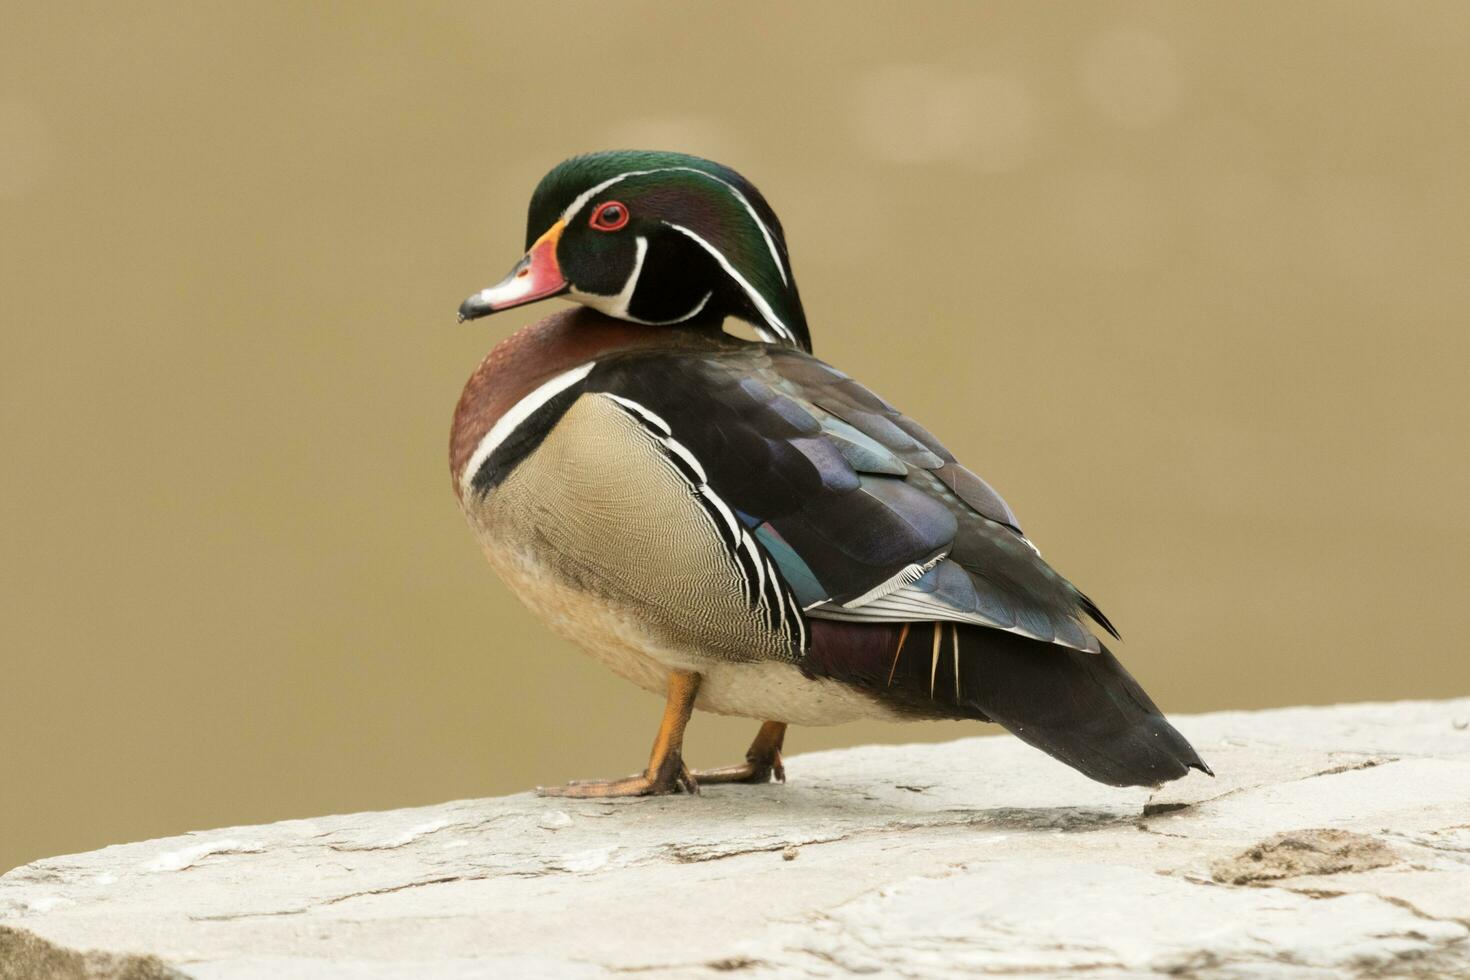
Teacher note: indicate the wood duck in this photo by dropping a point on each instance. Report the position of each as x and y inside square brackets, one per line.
[741, 527]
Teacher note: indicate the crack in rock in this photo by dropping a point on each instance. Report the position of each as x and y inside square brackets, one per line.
[1180, 808]
[1354, 766]
[336, 899]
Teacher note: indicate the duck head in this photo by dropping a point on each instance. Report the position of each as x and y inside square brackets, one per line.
[663, 239]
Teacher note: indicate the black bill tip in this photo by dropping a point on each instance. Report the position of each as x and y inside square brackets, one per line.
[473, 308]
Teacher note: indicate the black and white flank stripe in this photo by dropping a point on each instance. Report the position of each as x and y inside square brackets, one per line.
[760, 581]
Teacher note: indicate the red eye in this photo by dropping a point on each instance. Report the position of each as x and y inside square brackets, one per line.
[609, 216]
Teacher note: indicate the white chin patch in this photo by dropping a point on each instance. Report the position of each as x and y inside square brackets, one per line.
[611, 305]
[617, 304]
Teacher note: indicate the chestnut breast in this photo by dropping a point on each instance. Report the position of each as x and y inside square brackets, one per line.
[526, 360]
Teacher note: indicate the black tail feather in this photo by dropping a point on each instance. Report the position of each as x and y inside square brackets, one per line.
[1084, 709]
[1098, 617]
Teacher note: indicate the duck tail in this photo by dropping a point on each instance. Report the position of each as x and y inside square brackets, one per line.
[1084, 709]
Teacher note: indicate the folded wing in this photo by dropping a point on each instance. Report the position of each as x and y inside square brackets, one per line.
[867, 517]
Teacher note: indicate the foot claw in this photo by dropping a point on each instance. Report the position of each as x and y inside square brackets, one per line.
[594, 782]
[753, 773]
[642, 784]
[762, 762]
[685, 780]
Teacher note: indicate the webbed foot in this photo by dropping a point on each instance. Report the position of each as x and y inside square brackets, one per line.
[762, 760]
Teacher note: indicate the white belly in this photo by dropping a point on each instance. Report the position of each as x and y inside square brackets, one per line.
[766, 690]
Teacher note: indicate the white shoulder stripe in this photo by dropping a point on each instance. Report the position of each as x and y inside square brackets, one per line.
[679, 449]
[517, 414]
[653, 418]
[796, 615]
[755, 559]
[724, 511]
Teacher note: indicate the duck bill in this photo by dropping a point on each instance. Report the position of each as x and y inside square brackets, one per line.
[536, 276]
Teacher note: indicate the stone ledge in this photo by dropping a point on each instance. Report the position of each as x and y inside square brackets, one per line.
[1335, 841]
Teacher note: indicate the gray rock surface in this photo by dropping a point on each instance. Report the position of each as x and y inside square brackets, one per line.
[1335, 842]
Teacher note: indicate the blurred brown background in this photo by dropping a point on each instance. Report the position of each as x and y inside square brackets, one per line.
[1186, 282]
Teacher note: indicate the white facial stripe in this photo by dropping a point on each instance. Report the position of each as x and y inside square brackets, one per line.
[581, 200]
[625, 295]
[517, 414]
[666, 323]
[590, 193]
[617, 305]
[765, 232]
[679, 319]
[755, 297]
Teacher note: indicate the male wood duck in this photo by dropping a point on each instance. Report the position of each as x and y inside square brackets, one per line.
[741, 527]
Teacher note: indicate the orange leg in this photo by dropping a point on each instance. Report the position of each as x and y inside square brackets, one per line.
[762, 760]
[666, 772]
